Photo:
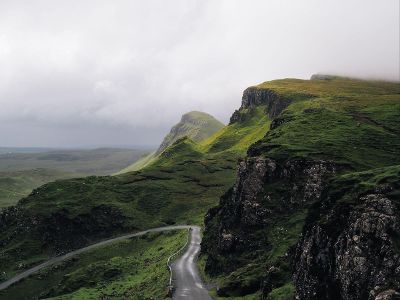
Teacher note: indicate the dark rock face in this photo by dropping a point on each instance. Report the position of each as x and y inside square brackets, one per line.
[348, 250]
[233, 227]
[350, 253]
[253, 97]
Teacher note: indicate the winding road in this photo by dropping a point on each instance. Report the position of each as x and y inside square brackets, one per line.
[185, 273]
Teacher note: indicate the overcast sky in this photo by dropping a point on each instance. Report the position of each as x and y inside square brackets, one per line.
[82, 72]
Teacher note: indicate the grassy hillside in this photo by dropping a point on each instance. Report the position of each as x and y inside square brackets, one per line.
[15, 185]
[350, 126]
[195, 125]
[139, 164]
[351, 122]
[22, 171]
[131, 269]
[178, 187]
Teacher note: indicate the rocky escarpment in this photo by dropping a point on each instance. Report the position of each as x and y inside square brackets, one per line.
[253, 97]
[350, 250]
[237, 230]
[349, 246]
[314, 210]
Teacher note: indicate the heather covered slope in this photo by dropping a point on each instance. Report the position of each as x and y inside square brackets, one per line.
[306, 170]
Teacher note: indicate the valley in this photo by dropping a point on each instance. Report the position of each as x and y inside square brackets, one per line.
[295, 195]
[24, 169]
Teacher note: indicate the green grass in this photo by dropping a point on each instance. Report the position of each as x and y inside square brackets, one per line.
[195, 125]
[285, 292]
[131, 269]
[352, 123]
[15, 185]
[20, 173]
[239, 136]
[178, 187]
[255, 296]
[140, 164]
[344, 190]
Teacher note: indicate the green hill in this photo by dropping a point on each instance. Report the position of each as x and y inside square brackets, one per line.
[194, 125]
[313, 198]
[301, 156]
[23, 169]
[182, 183]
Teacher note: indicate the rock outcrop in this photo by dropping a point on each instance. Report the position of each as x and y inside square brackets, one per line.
[349, 249]
[235, 228]
[253, 97]
[349, 252]
[304, 218]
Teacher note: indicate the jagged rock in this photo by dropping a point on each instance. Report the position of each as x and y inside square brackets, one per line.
[350, 254]
[253, 97]
[246, 208]
[388, 295]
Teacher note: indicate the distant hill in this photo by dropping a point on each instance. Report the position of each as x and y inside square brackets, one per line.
[195, 125]
[21, 170]
[299, 194]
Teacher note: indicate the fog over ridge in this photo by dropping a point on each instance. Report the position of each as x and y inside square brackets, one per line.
[97, 72]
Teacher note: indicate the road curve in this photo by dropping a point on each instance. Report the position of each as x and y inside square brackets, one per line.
[185, 273]
[57, 259]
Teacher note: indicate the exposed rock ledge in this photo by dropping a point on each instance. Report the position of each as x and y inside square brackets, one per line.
[253, 97]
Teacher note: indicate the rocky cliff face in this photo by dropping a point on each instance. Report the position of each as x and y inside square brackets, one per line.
[300, 222]
[237, 230]
[349, 249]
[253, 97]
[350, 252]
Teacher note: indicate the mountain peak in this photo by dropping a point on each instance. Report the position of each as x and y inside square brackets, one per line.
[195, 125]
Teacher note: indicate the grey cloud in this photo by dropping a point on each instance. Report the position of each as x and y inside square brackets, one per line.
[122, 72]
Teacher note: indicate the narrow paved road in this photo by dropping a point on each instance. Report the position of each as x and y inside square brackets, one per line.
[57, 259]
[185, 273]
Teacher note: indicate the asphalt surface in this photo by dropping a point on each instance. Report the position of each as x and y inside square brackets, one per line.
[57, 259]
[185, 273]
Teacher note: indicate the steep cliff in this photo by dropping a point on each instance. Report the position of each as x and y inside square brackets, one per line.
[254, 97]
[350, 244]
[273, 234]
